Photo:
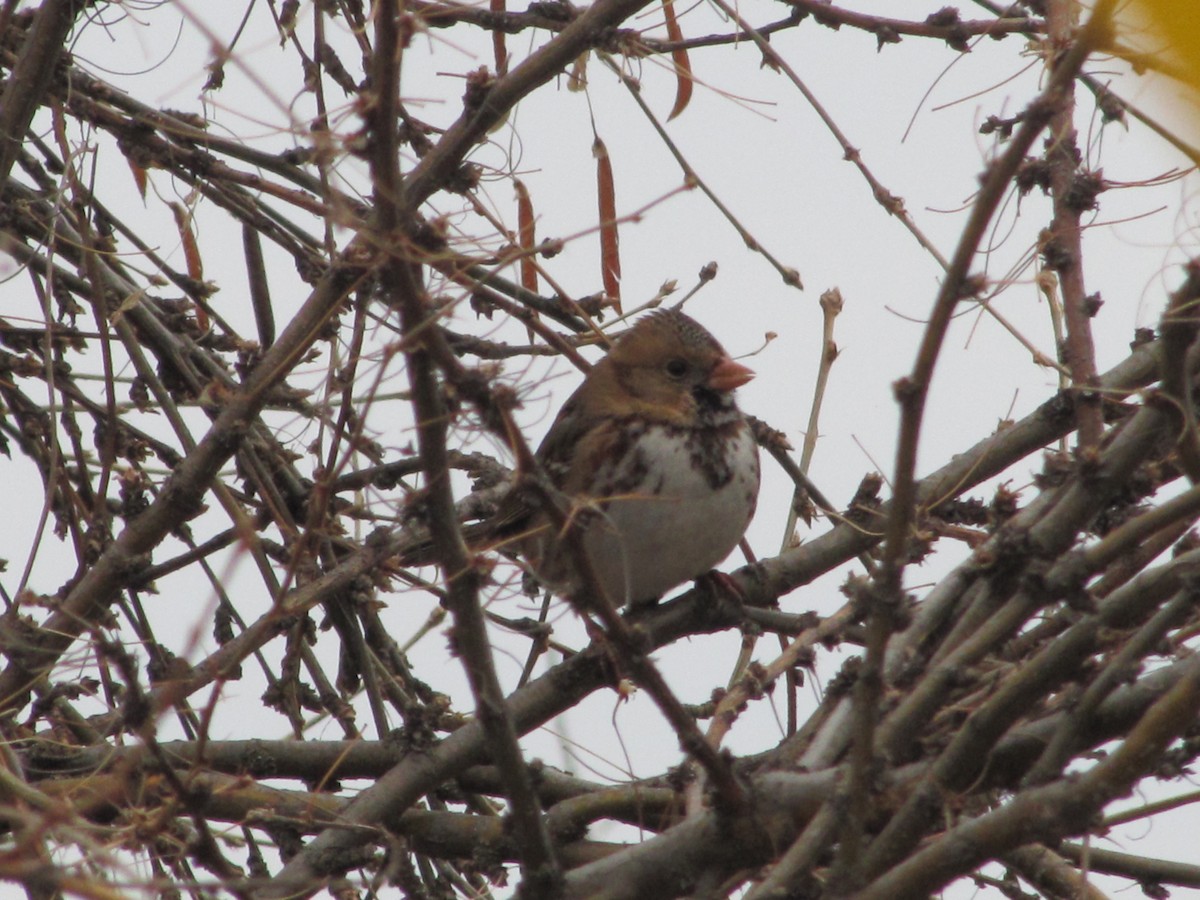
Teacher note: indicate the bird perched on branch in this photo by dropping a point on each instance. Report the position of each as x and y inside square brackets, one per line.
[653, 454]
[650, 462]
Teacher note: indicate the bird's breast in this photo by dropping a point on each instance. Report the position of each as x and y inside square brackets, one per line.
[671, 506]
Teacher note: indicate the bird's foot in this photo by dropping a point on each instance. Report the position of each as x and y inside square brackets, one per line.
[721, 584]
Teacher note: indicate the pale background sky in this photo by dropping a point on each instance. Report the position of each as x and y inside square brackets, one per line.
[758, 144]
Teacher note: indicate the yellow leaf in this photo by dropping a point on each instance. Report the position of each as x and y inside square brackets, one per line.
[1166, 30]
[1177, 24]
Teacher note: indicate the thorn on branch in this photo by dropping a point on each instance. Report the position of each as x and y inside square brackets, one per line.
[431, 234]
[1005, 504]
[1112, 107]
[829, 21]
[864, 505]
[943, 18]
[1056, 256]
[1032, 173]
[1056, 468]
[479, 84]
[885, 34]
[464, 179]
[841, 684]
[1085, 187]
[556, 10]
[1001, 126]
[903, 389]
[973, 286]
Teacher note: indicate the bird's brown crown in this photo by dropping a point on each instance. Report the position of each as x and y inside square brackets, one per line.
[670, 328]
[661, 366]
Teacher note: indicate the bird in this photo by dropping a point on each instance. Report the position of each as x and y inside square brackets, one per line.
[651, 461]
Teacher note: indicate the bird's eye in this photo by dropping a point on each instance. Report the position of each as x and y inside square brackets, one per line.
[677, 367]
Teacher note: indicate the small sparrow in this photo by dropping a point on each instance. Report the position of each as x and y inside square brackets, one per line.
[655, 463]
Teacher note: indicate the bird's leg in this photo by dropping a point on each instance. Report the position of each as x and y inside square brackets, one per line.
[720, 584]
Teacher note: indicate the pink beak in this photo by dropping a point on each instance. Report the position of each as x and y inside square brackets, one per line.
[728, 375]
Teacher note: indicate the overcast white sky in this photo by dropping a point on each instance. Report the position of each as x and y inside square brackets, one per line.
[912, 109]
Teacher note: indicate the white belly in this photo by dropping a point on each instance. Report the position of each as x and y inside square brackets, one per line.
[674, 526]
